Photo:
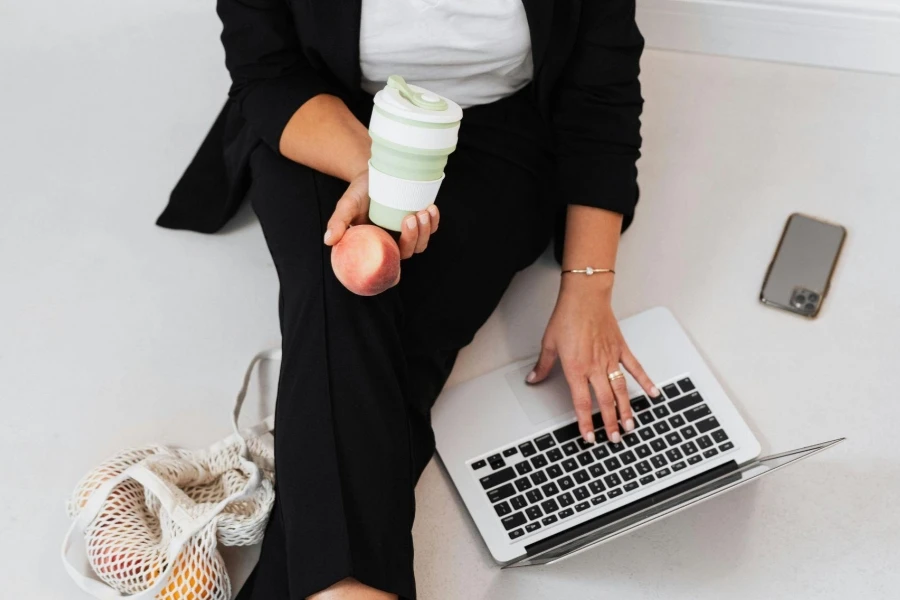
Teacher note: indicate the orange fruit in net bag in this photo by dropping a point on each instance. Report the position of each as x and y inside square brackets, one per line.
[187, 582]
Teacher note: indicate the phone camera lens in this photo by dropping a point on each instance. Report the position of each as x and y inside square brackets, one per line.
[810, 306]
[801, 299]
[813, 297]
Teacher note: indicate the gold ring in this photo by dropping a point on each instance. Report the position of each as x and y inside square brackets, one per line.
[616, 375]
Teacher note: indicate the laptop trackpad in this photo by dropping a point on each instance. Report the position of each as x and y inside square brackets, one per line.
[543, 401]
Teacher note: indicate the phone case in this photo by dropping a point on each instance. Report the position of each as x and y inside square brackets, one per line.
[799, 275]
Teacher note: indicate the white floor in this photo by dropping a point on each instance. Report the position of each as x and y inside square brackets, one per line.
[115, 333]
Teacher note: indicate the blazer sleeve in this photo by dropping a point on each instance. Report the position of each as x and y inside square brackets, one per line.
[597, 107]
[271, 77]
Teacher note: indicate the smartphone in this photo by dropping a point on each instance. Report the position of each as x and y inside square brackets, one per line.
[800, 272]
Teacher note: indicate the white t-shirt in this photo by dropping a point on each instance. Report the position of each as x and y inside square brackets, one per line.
[471, 51]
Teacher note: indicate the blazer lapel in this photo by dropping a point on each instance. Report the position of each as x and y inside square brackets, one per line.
[337, 29]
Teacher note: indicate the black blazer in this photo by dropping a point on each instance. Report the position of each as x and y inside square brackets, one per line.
[281, 53]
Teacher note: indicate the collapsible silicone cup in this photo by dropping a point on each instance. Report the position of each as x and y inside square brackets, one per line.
[413, 132]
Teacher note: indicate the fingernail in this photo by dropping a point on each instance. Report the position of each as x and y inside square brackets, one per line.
[654, 391]
[327, 236]
[411, 223]
[432, 210]
[629, 425]
[615, 438]
[590, 439]
[531, 377]
[423, 218]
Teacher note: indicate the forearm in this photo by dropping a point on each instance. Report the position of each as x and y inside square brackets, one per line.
[325, 135]
[592, 240]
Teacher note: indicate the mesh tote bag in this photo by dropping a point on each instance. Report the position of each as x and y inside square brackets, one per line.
[147, 523]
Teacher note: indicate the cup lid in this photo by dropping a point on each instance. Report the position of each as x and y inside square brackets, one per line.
[418, 104]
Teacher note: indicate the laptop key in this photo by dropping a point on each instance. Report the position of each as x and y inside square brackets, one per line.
[596, 470]
[726, 446]
[689, 448]
[710, 453]
[554, 455]
[570, 464]
[498, 477]
[583, 506]
[516, 534]
[540, 461]
[549, 520]
[630, 486]
[631, 439]
[565, 514]
[550, 506]
[539, 478]
[673, 438]
[688, 432]
[612, 463]
[596, 486]
[614, 493]
[533, 512]
[685, 402]
[659, 399]
[501, 493]
[522, 484]
[581, 493]
[532, 527]
[527, 449]
[640, 403]
[645, 418]
[643, 467]
[513, 521]
[659, 461]
[658, 445]
[674, 454]
[646, 434]
[720, 436]
[628, 457]
[616, 447]
[698, 412]
[534, 496]
[502, 509]
[570, 448]
[565, 483]
[598, 499]
[581, 476]
[686, 385]
[523, 467]
[628, 474]
[583, 445]
[569, 432]
[662, 473]
[661, 412]
[671, 391]
[545, 441]
[676, 421]
[518, 502]
[479, 464]
[554, 471]
[661, 427]
[695, 459]
[643, 451]
[678, 466]
[550, 489]
[496, 462]
[706, 425]
[585, 459]
[510, 451]
[600, 452]
[566, 500]
[704, 442]
[647, 479]
[612, 480]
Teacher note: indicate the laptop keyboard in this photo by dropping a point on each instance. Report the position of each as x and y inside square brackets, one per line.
[557, 475]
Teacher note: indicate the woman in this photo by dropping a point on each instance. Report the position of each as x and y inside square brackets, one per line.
[550, 134]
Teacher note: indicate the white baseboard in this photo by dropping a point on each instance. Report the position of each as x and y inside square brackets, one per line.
[813, 33]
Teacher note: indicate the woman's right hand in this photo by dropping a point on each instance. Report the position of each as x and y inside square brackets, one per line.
[353, 209]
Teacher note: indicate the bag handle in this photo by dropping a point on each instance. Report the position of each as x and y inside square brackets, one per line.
[151, 481]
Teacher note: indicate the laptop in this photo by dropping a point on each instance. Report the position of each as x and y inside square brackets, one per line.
[538, 493]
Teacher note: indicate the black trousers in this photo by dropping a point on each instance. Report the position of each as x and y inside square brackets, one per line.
[359, 375]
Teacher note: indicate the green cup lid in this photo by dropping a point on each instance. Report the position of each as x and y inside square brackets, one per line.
[426, 100]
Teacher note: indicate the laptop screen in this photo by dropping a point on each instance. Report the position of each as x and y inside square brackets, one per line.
[702, 487]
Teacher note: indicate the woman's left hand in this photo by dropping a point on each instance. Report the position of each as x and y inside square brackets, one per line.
[584, 334]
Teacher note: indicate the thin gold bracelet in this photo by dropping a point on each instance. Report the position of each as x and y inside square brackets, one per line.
[589, 271]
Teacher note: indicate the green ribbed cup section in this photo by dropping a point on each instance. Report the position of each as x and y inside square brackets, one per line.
[384, 216]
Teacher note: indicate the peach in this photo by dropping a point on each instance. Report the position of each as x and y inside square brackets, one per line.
[366, 260]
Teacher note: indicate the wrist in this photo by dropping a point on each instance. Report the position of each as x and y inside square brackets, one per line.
[598, 285]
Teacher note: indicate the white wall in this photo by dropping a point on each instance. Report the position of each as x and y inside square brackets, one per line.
[849, 34]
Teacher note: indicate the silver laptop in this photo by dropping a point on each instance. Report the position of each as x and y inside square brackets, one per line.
[538, 493]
